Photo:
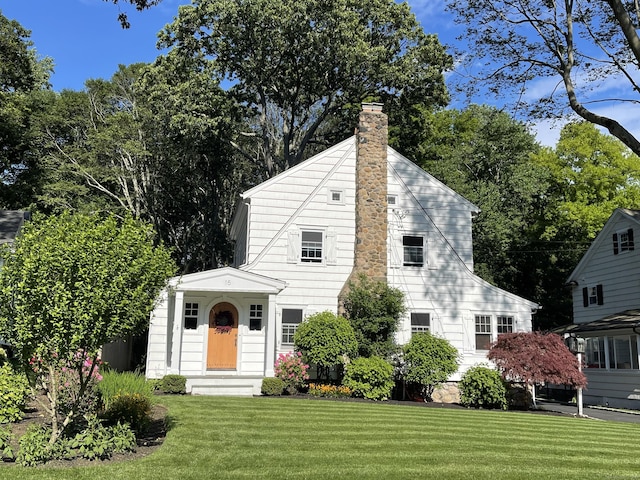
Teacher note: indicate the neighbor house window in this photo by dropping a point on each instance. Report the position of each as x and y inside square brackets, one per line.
[504, 324]
[413, 247]
[392, 200]
[311, 247]
[594, 353]
[623, 241]
[420, 322]
[291, 318]
[483, 332]
[623, 352]
[592, 296]
[190, 316]
[255, 317]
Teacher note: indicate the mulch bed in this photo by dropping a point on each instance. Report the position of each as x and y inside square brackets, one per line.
[147, 442]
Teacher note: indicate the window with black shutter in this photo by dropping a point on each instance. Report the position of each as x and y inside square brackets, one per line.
[623, 241]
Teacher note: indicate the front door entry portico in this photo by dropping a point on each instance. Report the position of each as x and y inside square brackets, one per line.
[222, 350]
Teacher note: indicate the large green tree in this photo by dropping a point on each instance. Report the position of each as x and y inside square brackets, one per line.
[69, 285]
[587, 53]
[297, 63]
[153, 141]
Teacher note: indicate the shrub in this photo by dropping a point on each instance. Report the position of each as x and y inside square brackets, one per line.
[70, 397]
[483, 387]
[428, 362]
[272, 386]
[14, 394]
[292, 371]
[117, 383]
[374, 310]
[325, 339]
[173, 384]
[131, 408]
[331, 391]
[370, 378]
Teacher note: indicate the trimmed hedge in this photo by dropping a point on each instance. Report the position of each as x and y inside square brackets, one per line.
[272, 386]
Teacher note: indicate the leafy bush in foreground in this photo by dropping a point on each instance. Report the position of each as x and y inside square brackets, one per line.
[14, 394]
[272, 386]
[483, 387]
[370, 378]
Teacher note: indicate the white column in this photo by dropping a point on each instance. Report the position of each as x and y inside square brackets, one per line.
[579, 395]
[176, 344]
[271, 334]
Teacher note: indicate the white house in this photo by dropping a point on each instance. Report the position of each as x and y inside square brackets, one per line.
[606, 312]
[358, 207]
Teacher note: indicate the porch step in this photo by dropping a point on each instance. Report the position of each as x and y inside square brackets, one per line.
[224, 386]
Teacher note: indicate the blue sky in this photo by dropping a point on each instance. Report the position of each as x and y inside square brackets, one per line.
[85, 40]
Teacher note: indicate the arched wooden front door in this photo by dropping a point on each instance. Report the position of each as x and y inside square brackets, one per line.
[222, 352]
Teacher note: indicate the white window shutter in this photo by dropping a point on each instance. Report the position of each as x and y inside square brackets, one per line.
[293, 249]
[331, 248]
[396, 251]
[432, 254]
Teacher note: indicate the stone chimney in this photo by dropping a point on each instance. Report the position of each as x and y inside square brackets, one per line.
[370, 251]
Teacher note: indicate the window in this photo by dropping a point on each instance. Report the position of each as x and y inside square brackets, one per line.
[420, 322]
[392, 200]
[311, 247]
[190, 316]
[505, 324]
[623, 352]
[255, 317]
[483, 332]
[623, 241]
[335, 196]
[594, 353]
[291, 318]
[592, 296]
[413, 248]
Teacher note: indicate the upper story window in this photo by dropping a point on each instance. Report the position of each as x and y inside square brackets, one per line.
[255, 317]
[592, 296]
[190, 315]
[420, 322]
[504, 324]
[623, 241]
[413, 248]
[291, 318]
[311, 246]
[483, 332]
[392, 200]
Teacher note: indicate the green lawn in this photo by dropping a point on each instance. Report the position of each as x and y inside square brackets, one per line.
[279, 438]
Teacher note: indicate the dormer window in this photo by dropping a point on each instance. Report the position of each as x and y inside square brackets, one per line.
[623, 241]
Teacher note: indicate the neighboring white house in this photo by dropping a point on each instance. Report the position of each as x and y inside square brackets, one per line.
[359, 206]
[606, 312]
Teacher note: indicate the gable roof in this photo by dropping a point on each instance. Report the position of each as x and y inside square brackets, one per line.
[603, 236]
[227, 279]
[11, 222]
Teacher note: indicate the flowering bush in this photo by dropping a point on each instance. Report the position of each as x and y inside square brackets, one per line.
[71, 396]
[292, 371]
[332, 391]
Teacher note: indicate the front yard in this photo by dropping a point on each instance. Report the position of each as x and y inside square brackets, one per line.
[279, 438]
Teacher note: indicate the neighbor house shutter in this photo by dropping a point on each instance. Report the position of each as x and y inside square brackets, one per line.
[585, 296]
[293, 249]
[599, 294]
[615, 243]
[630, 238]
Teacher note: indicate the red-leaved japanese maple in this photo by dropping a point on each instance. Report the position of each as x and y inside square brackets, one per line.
[535, 357]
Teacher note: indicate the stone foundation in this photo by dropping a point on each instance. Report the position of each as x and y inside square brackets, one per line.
[447, 393]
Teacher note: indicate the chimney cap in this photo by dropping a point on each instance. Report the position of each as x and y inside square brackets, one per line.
[372, 107]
